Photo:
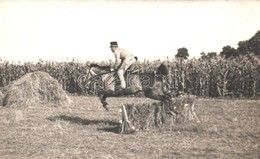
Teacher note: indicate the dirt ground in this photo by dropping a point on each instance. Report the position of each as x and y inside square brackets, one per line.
[228, 129]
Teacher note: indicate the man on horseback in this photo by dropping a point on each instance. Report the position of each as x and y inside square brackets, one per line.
[123, 60]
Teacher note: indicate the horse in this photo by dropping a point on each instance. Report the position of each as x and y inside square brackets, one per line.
[105, 83]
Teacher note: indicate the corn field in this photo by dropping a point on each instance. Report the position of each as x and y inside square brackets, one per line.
[214, 77]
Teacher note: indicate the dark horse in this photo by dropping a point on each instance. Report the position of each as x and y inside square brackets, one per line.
[106, 83]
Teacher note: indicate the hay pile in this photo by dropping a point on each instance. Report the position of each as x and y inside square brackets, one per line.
[162, 115]
[33, 89]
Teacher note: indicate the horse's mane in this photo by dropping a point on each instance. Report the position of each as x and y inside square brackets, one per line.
[105, 68]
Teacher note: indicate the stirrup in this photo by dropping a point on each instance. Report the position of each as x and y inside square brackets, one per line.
[135, 71]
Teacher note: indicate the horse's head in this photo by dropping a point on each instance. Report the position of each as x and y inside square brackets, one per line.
[97, 69]
[93, 76]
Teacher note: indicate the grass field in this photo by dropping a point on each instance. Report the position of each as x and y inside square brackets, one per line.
[229, 129]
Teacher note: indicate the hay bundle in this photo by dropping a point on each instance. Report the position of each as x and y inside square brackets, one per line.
[184, 107]
[33, 89]
[149, 115]
[162, 115]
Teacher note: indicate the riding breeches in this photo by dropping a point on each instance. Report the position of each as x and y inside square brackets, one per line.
[124, 66]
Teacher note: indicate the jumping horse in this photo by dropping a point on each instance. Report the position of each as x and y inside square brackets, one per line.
[105, 82]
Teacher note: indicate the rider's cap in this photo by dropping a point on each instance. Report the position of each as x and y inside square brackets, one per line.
[113, 43]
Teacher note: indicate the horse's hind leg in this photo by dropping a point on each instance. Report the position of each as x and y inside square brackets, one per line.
[102, 98]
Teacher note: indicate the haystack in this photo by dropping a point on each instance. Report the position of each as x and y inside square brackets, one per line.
[33, 89]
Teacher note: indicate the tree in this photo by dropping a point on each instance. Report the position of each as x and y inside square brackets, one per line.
[243, 47]
[203, 55]
[182, 53]
[250, 46]
[255, 43]
[208, 56]
[228, 51]
[212, 55]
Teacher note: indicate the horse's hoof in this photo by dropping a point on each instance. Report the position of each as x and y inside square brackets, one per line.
[104, 103]
[106, 108]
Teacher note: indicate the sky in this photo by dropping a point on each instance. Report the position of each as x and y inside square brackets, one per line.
[60, 30]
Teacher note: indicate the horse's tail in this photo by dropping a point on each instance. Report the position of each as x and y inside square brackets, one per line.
[162, 70]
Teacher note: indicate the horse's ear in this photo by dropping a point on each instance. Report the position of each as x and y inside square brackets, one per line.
[88, 66]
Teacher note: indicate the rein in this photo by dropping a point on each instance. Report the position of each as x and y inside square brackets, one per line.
[113, 71]
[105, 73]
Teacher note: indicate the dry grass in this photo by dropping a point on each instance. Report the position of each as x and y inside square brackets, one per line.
[1, 98]
[228, 129]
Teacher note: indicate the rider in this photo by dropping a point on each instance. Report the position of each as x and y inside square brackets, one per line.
[123, 60]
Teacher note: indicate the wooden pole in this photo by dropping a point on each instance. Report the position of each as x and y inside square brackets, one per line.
[126, 127]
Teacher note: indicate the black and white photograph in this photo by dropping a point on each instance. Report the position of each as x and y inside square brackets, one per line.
[135, 79]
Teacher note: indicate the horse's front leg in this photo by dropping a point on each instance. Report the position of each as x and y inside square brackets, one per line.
[102, 98]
